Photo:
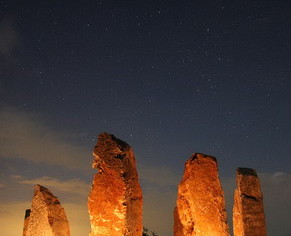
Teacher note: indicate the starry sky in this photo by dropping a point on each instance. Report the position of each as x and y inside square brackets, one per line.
[169, 77]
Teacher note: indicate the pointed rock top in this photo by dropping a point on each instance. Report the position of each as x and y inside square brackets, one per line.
[39, 188]
[199, 156]
[110, 151]
[47, 195]
[46, 216]
[246, 171]
[110, 139]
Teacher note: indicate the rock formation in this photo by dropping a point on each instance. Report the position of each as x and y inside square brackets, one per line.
[248, 210]
[46, 217]
[200, 209]
[115, 199]
[26, 220]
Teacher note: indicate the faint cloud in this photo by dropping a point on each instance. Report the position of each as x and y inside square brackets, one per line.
[72, 186]
[24, 135]
[159, 175]
[78, 217]
[276, 188]
[12, 217]
[16, 177]
[279, 175]
[158, 209]
[9, 38]
[159, 193]
[2, 185]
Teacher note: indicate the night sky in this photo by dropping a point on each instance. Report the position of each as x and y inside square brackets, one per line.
[169, 77]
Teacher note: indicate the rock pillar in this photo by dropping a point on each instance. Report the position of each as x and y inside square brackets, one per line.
[26, 220]
[46, 216]
[115, 199]
[248, 210]
[200, 209]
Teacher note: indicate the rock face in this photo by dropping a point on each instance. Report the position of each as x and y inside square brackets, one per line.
[26, 220]
[200, 209]
[115, 199]
[248, 209]
[46, 217]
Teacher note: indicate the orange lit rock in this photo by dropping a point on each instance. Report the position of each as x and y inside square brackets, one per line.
[115, 199]
[26, 220]
[248, 209]
[46, 217]
[200, 209]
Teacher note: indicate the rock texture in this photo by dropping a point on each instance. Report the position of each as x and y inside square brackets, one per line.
[26, 220]
[46, 216]
[200, 209]
[115, 199]
[248, 210]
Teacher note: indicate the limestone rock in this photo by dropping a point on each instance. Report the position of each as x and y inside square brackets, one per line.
[46, 216]
[200, 209]
[248, 210]
[115, 199]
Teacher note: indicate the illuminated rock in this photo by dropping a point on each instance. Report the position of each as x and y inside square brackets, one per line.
[200, 209]
[26, 220]
[46, 217]
[248, 209]
[115, 199]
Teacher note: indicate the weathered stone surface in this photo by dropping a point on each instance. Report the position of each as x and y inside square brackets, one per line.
[248, 209]
[26, 220]
[46, 217]
[115, 199]
[200, 209]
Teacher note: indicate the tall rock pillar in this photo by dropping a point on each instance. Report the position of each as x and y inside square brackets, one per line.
[200, 209]
[115, 199]
[248, 209]
[46, 216]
